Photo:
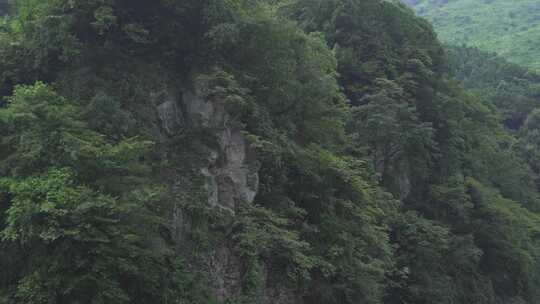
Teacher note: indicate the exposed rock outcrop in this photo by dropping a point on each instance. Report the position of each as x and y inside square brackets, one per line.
[226, 170]
[232, 169]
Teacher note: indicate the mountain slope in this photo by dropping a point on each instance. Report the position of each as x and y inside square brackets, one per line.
[513, 89]
[510, 28]
[253, 152]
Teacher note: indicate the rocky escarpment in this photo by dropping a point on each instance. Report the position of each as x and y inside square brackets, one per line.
[228, 165]
[212, 171]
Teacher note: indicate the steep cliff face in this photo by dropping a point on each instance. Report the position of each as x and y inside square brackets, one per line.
[229, 166]
[221, 173]
[217, 152]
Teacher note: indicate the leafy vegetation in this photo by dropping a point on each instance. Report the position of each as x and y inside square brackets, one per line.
[512, 88]
[381, 178]
[511, 29]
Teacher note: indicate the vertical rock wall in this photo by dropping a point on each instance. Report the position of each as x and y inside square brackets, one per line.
[226, 167]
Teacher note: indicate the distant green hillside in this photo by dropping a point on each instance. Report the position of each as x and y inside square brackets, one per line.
[510, 28]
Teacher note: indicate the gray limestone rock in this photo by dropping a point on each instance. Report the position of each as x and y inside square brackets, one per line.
[228, 169]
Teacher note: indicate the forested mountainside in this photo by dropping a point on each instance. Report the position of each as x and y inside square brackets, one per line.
[514, 90]
[259, 151]
[509, 28]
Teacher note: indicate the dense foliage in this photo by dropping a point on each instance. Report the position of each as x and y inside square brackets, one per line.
[515, 90]
[381, 178]
[509, 28]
